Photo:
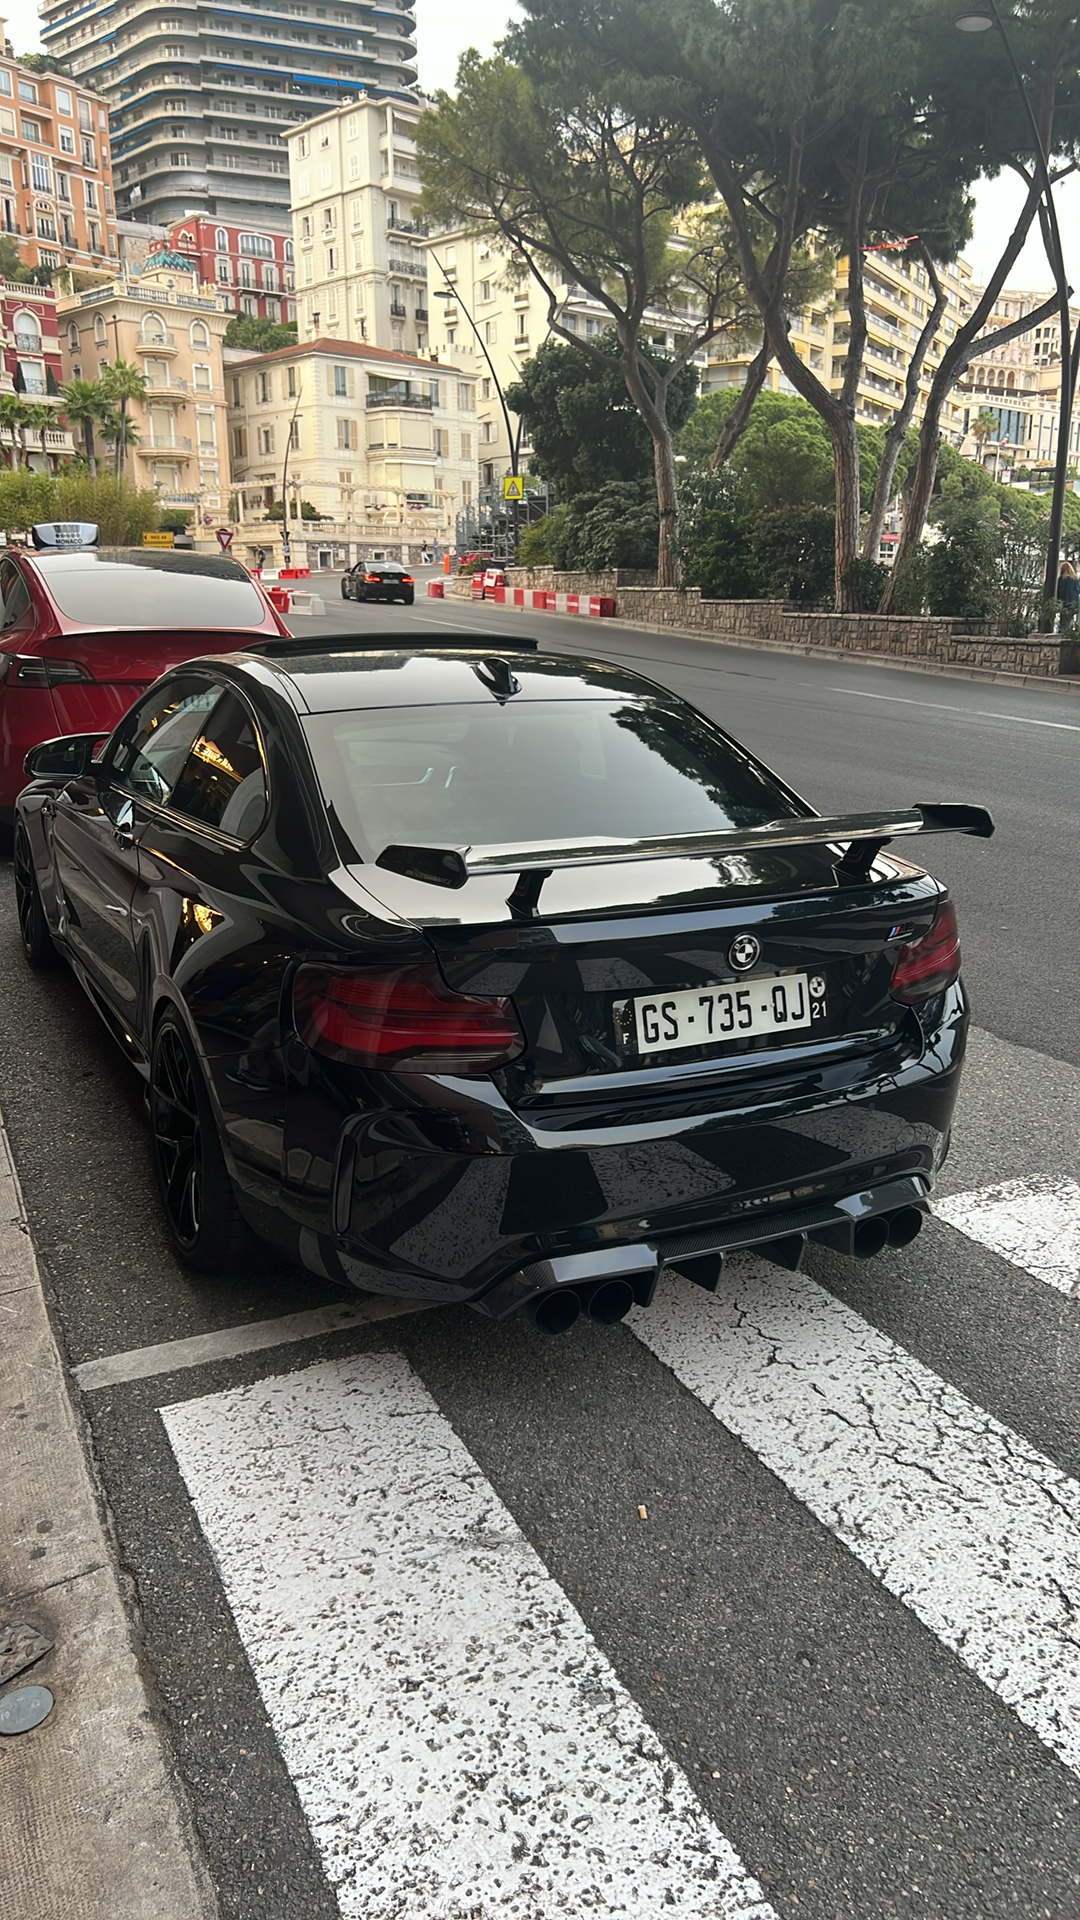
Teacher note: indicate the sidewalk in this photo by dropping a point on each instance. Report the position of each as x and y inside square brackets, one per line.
[92, 1824]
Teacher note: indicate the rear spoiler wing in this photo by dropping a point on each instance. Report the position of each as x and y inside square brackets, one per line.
[863, 834]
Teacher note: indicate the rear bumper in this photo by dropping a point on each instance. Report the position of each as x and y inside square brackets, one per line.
[502, 1211]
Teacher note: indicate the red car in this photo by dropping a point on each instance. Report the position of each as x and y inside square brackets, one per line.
[84, 629]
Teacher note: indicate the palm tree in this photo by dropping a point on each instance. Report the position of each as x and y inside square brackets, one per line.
[84, 406]
[120, 383]
[13, 413]
[119, 432]
[39, 420]
[983, 428]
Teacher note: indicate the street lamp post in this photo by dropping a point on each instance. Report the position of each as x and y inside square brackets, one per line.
[984, 17]
[450, 292]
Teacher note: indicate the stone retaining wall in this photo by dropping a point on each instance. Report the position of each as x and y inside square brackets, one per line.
[918, 637]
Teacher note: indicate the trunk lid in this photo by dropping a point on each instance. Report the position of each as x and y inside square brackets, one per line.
[609, 941]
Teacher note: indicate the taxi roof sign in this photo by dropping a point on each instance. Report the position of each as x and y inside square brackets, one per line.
[64, 533]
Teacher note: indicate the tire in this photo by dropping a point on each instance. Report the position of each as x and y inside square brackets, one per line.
[204, 1220]
[407, 599]
[344, 589]
[37, 941]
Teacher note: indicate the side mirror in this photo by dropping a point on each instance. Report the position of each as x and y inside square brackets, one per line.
[65, 759]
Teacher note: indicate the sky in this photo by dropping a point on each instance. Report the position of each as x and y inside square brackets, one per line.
[446, 27]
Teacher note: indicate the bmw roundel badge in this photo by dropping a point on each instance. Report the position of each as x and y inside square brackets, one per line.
[744, 952]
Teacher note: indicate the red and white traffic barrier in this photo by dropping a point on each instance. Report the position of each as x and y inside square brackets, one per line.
[436, 590]
[598, 606]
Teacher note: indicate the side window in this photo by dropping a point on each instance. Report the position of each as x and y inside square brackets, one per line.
[155, 739]
[13, 593]
[223, 784]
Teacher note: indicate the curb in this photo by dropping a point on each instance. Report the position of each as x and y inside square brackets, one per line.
[92, 1822]
[1039, 682]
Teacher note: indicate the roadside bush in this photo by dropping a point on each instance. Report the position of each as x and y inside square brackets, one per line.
[866, 581]
[961, 568]
[122, 512]
[618, 526]
[909, 594]
[715, 532]
[535, 547]
[793, 555]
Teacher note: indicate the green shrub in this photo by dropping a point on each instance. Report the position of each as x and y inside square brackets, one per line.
[866, 581]
[535, 544]
[961, 568]
[793, 554]
[909, 593]
[618, 526]
[714, 539]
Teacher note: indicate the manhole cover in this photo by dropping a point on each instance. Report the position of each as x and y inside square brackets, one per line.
[25, 1708]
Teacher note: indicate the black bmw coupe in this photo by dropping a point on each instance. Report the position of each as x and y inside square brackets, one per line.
[507, 979]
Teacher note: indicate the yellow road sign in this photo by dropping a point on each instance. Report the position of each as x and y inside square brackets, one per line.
[513, 487]
[157, 539]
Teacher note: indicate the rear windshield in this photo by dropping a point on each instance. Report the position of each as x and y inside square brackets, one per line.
[153, 589]
[552, 770]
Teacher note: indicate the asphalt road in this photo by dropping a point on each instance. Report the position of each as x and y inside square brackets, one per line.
[834, 1672]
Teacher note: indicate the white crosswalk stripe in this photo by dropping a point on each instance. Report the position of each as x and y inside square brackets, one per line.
[459, 1744]
[955, 1514]
[1034, 1223]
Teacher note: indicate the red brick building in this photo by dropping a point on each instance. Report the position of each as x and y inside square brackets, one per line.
[30, 368]
[251, 266]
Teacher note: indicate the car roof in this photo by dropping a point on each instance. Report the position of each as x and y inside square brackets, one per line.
[49, 562]
[393, 675]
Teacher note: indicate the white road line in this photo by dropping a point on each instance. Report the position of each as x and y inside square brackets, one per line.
[957, 1516]
[1033, 1223]
[969, 713]
[142, 1363]
[459, 1744]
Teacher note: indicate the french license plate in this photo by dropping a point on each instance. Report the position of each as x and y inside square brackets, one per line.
[701, 1016]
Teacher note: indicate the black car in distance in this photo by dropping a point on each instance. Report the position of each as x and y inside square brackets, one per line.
[509, 980]
[378, 582]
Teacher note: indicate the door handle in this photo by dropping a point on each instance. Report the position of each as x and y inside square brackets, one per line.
[124, 825]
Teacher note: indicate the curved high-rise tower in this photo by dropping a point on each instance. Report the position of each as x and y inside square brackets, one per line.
[202, 94]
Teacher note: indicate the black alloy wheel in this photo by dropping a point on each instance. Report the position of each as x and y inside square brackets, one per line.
[205, 1222]
[37, 941]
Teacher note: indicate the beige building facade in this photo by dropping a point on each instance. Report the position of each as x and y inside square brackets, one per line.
[898, 299]
[359, 244]
[171, 326]
[381, 444]
[1019, 385]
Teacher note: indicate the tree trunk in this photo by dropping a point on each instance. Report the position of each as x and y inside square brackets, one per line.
[668, 570]
[896, 434]
[91, 456]
[732, 430]
[845, 441]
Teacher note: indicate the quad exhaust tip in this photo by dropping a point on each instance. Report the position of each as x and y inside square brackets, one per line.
[606, 1303]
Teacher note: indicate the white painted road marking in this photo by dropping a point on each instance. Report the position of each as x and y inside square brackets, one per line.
[1033, 1223]
[459, 1744]
[956, 1515]
[942, 706]
[200, 1349]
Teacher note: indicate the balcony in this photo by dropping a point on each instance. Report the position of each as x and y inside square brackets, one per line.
[395, 225]
[419, 402]
[416, 268]
[420, 315]
[156, 385]
[397, 310]
[163, 443]
[161, 343]
[28, 343]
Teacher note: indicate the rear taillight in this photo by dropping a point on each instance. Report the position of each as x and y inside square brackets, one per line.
[373, 579]
[407, 580]
[406, 1019]
[34, 670]
[931, 964]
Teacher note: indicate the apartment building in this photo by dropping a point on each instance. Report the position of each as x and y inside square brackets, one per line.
[361, 264]
[487, 319]
[31, 368]
[203, 98]
[251, 268]
[56, 183]
[1019, 387]
[171, 326]
[898, 300]
[381, 444]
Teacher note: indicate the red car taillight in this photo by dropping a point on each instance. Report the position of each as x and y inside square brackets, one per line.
[931, 964]
[405, 1018]
[407, 580]
[34, 670]
[373, 579]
